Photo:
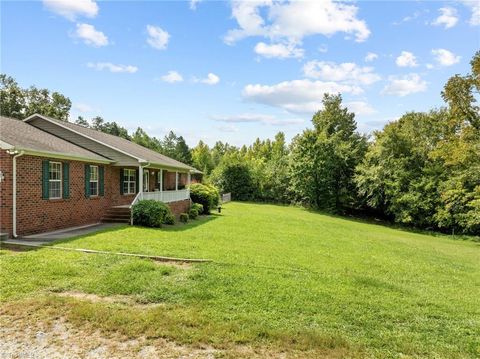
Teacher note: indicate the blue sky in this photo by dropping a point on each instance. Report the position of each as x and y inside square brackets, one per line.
[234, 71]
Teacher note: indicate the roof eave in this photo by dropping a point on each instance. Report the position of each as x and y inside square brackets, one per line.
[59, 155]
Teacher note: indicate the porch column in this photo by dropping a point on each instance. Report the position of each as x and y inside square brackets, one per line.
[176, 180]
[189, 178]
[140, 181]
[161, 184]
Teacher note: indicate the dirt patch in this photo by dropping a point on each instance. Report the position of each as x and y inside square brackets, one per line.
[116, 299]
[179, 265]
[57, 338]
[60, 340]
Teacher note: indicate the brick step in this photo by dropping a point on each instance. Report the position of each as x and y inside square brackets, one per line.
[118, 210]
[116, 220]
[116, 215]
[109, 216]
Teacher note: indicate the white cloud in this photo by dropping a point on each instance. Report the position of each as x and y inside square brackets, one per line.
[346, 72]
[228, 128]
[172, 77]
[157, 37]
[448, 17]
[281, 51]
[323, 48]
[302, 96]
[71, 9]
[409, 18]
[371, 56]
[91, 36]
[257, 118]
[360, 108]
[211, 79]
[405, 85]
[99, 66]
[474, 6]
[406, 59]
[445, 57]
[290, 22]
[82, 107]
[193, 4]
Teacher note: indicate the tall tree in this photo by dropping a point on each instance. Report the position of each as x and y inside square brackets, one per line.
[202, 158]
[20, 103]
[12, 98]
[182, 151]
[324, 158]
[82, 122]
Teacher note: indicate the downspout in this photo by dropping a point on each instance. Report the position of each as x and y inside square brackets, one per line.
[14, 209]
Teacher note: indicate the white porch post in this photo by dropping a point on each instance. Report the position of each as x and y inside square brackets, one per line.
[140, 181]
[189, 178]
[161, 184]
[176, 180]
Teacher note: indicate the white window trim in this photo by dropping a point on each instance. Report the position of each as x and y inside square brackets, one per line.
[59, 180]
[97, 181]
[127, 192]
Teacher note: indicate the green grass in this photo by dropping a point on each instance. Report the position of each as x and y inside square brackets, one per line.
[281, 277]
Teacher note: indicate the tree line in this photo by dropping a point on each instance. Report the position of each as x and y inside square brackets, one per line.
[421, 170]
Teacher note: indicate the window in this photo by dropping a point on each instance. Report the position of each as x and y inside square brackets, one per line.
[55, 180]
[93, 180]
[129, 181]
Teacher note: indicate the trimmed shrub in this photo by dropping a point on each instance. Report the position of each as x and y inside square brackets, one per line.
[198, 207]
[169, 218]
[206, 195]
[184, 217]
[193, 213]
[150, 213]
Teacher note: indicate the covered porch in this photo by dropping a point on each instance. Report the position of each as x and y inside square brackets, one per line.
[163, 185]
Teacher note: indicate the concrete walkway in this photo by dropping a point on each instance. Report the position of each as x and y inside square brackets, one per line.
[49, 237]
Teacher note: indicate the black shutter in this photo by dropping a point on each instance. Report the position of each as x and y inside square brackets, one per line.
[45, 178]
[87, 181]
[66, 180]
[137, 183]
[101, 184]
[121, 180]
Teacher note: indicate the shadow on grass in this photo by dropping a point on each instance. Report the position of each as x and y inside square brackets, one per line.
[395, 226]
[192, 223]
[178, 227]
[373, 221]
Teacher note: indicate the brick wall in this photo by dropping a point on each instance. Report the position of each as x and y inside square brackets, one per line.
[36, 215]
[6, 193]
[180, 207]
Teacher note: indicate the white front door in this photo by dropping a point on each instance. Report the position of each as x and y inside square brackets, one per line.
[146, 182]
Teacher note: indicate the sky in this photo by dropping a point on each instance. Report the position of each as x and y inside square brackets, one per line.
[237, 70]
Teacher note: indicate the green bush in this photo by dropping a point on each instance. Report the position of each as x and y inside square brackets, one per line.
[184, 217]
[150, 213]
[237, 179]
[169, 218]
[193, 213]
[198, 207]
[206, 195]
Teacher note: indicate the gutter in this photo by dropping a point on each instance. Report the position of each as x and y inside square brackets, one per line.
[14, 185]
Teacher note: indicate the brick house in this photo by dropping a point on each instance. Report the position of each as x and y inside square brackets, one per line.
[66, 175]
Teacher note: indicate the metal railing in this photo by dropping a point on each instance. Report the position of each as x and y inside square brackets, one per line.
[226, 197]
[164, 196]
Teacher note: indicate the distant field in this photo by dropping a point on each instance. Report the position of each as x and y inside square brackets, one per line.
[282, 280]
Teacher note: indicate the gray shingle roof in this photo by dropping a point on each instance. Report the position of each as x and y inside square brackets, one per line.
[124, 145]
[23, 136]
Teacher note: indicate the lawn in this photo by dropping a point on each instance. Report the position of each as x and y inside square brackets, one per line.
[282, 279]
